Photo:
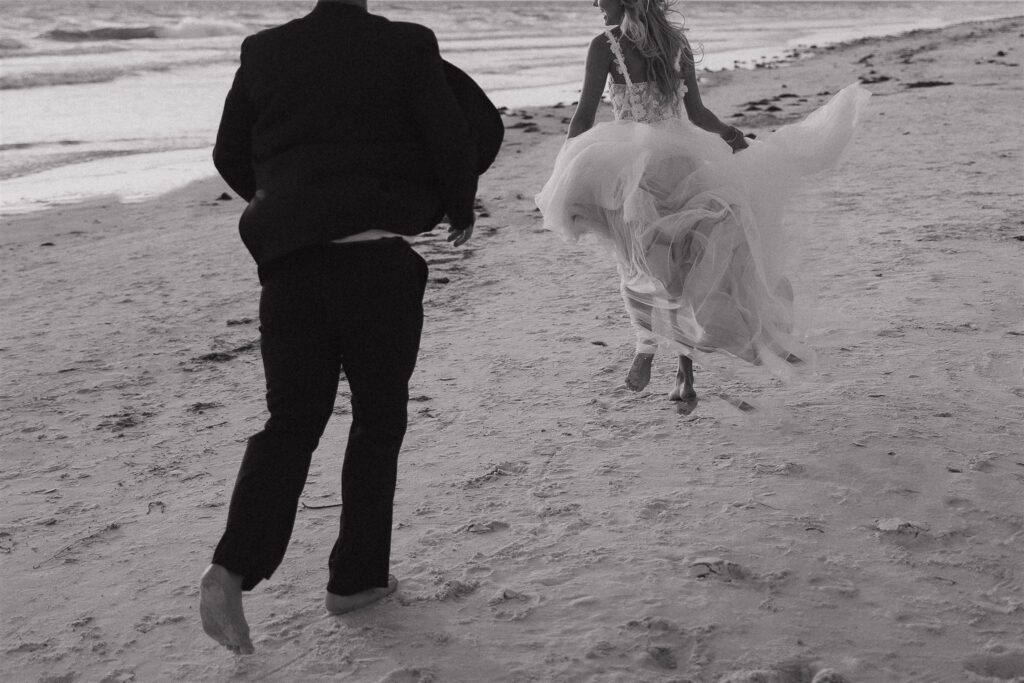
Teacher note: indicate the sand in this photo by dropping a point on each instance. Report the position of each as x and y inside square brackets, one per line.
[552, 526]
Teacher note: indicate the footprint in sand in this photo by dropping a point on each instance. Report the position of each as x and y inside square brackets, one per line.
[7, 542]
[895, 525]
[287, 626]
[454, 589]
[1003, 666]
[126, 419]
[717, 568]
[548, 489]
[495, 472]
[151, 621]
[730, 572]
[60, 678]
[407, 675]
[555, 510]
[485, 527]
[785, 469]
[201, 407]
[829, 676]
[833, 587]
[796, 672]
[511, 605]
[687, 406]
[659, 509]
[912, 535]
[655, 642]
[441, 590]
[214, 357]
[663, 656]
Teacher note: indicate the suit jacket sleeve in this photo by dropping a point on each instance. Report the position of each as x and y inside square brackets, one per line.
[446, 134]
[232, 153]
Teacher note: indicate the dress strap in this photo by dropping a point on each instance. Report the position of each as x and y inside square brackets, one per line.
[620, 61]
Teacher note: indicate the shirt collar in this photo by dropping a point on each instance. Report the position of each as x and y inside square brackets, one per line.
[327, 7]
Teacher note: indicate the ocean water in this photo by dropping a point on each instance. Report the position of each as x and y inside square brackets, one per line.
[122, 97]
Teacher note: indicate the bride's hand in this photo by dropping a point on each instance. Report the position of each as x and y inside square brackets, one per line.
[459, 237]
[736, 140]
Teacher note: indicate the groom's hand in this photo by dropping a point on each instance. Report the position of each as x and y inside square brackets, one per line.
[459, 236]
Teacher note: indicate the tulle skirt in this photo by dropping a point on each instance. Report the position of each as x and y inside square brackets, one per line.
[696, 231]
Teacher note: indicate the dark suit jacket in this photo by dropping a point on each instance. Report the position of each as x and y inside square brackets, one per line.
[339, 122]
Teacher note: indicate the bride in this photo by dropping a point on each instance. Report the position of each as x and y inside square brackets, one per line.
[695, 229]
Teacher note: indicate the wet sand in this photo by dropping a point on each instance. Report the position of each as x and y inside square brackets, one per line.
[551, 525]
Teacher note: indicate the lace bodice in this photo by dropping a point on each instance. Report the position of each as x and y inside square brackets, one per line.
[638, 101]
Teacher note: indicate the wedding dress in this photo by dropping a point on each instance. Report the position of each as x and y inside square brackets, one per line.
[696, 231]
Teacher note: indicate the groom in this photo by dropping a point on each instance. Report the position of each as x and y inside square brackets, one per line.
[347, 134]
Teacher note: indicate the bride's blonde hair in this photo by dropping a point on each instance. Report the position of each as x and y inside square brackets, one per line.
[660, 42]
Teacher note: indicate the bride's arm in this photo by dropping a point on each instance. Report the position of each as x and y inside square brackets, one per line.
[599, 61]
[700, 115]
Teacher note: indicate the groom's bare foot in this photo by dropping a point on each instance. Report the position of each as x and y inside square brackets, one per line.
[340, 604]
[220, 607]
[640, 373]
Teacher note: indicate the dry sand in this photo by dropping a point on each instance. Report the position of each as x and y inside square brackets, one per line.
[552, 526]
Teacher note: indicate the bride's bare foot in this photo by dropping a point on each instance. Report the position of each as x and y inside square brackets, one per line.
[220, 608]
[640, 373]
[685, 398]
[340, 604]
[683, 390]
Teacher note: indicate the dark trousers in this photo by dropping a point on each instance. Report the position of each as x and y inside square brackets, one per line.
[356, 307]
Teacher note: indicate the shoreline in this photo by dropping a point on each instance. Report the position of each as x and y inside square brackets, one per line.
[551, 525]
[150, 171]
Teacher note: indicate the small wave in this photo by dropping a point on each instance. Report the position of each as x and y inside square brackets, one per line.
[202, 28]
[17, 168]
[78, 50]
[42, 80]
[10, 44]
[32, 145]
[106, 33]
[185, 29]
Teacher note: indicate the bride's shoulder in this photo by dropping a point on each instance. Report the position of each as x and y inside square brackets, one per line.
[600, 46]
